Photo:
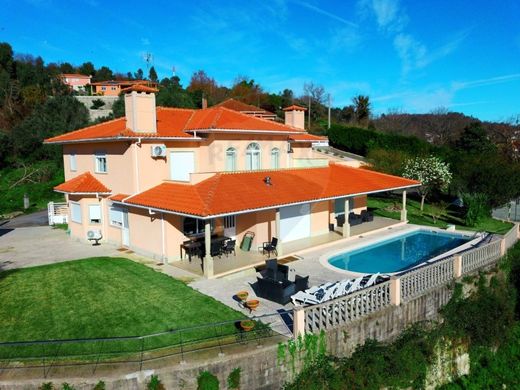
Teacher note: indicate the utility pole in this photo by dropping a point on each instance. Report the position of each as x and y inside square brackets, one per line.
[328, 127]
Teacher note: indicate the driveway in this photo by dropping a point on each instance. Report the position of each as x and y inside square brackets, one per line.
[38, 218]
[39, 245]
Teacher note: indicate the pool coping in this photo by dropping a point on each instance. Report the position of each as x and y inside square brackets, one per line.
[406, 229]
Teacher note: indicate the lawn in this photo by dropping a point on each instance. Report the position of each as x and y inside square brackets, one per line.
[383, 207]
[99, 297]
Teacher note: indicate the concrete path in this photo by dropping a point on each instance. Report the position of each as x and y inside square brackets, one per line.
[38, 218]
[30, 246]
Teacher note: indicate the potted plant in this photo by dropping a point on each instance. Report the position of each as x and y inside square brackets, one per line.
[247, 325]
[242, 295]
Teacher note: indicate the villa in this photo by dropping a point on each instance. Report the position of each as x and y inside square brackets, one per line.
[114, 87]
[164, 181]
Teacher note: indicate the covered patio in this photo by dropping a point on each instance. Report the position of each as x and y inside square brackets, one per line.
[244, 262]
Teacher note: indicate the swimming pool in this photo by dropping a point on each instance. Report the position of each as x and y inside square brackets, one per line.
[398, 253]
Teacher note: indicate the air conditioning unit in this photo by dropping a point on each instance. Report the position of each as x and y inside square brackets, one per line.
[94, 235]
[159, 151]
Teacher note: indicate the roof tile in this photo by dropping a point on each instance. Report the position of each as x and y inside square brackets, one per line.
[84, 183]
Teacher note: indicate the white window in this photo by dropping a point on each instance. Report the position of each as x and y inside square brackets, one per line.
[94, 213]
[101, 162]
[275, 158]
[229, 222]
[181, 165]
[231, 159]
[116, 216]
[73, 162]
[75, 212]
[253, 157]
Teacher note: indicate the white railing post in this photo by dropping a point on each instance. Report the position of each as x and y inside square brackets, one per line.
[457, 266]
[502, 247]
[395, 290]
[298, 321]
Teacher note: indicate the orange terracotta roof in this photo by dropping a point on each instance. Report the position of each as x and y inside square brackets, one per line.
[294, 107]
[118, 197]
[140, 88]
[237, 105]
[246, 191]
[84, 183]
[177, 123]
[306, 138]
[77, 75]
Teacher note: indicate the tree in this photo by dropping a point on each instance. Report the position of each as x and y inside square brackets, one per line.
[362, 109]
[66, 67]
[247, 91]
[103, 74]
[173, 95]
[474, 139]
[432, 172]
[87, 68]
[152, 75]
[139, 75]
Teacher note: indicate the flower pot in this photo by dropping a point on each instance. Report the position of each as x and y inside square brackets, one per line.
[242, 295]
[247, 325]
[253, 304]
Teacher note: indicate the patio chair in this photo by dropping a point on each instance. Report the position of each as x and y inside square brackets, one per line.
[340, 220]
[216, 249]
[270, 247]
[229, 247]
[276, 291]
[301, 283]
[367, 216]
[355, 219]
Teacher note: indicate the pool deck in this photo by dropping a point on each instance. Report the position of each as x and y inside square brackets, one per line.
[224, 289]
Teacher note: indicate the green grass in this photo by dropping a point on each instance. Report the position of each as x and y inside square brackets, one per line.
[99, 297]
[418, 217]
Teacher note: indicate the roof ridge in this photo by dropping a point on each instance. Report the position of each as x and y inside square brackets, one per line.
[208, 200]
[90, 127]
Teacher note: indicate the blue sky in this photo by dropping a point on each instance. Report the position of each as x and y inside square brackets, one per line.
[413, 56]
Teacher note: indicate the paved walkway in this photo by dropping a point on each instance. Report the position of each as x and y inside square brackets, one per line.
[30, 246]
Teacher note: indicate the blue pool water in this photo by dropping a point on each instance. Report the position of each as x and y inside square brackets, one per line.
[398, 253]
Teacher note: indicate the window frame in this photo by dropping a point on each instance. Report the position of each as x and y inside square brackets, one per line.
[231, 159]
[115, 209]
[252, 150]
[90, 220]
[200, 226]
[78, 204]
[97, 156]
[275, 158]
[73, 161]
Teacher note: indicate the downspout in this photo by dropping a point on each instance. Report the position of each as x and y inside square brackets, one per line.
[164, 257]
[136, 178]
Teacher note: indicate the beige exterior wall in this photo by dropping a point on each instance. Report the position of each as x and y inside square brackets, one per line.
[79, 230]
[120, 168]
[140, 112]
[319, 218]
[145, 232]
[295, 119]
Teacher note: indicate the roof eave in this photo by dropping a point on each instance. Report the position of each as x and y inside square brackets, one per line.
[211, 216]
[117, 139]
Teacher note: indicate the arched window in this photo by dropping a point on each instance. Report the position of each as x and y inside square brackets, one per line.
[231, 159]
[253, 157]
[275, 158]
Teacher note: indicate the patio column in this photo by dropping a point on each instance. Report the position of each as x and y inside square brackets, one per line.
[404, 216]
[346, 225]
[279, 249]
[208, 260]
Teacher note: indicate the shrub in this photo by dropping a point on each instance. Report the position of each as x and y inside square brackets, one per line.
[476, 208]
[207, 381]
[233, 380]
[66, 386]
[47, 386]
[387, 161]
[100, 386]
[155, 383]
[96, 104]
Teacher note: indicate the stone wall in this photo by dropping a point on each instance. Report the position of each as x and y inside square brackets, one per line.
[106, 110]
[260, 369]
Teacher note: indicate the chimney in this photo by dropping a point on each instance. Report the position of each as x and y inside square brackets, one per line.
[141, 116]
[204, 103]
[295, 116]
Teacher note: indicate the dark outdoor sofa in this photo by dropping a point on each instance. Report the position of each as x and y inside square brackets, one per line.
[276, 287]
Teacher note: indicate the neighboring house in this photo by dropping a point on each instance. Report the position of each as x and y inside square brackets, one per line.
[75, 81]
[247, 109]
[159, 176]
[114, 87]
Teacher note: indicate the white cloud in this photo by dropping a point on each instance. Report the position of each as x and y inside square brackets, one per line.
[328, 14]
[460, 85]
[410, 51]
[344, 38]
[389, 14]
